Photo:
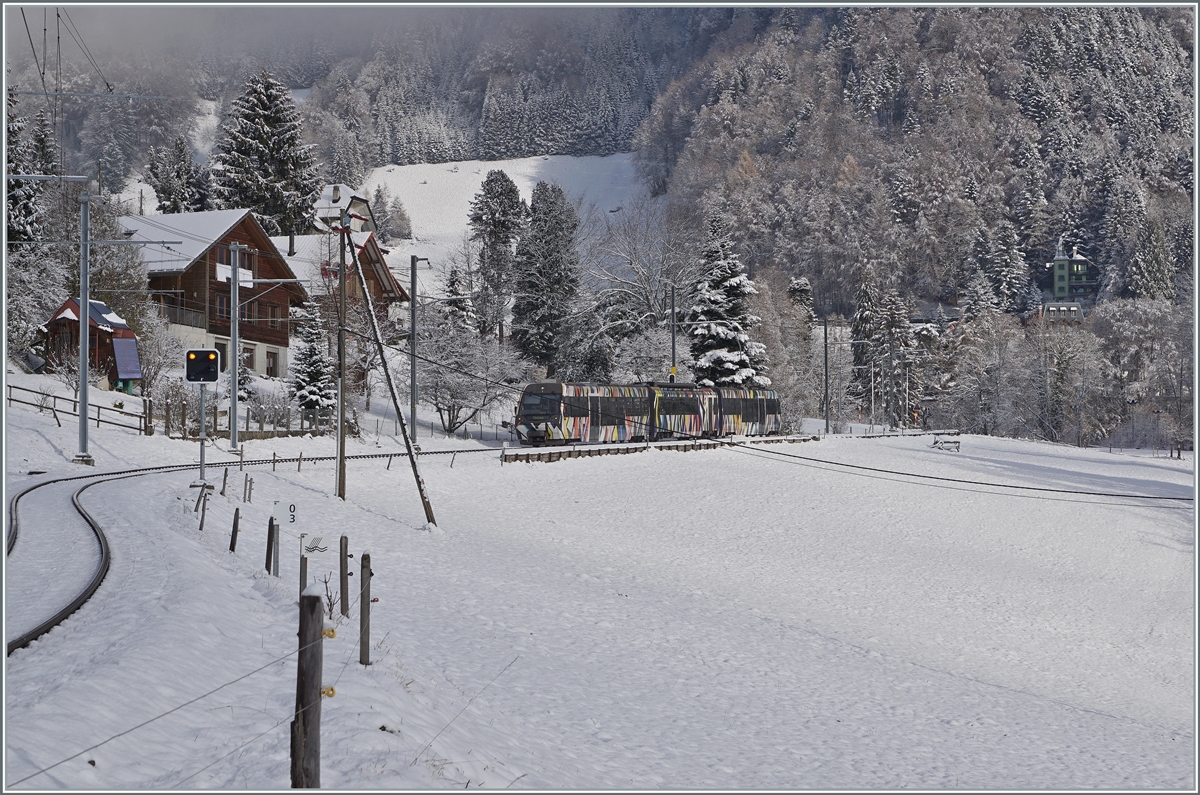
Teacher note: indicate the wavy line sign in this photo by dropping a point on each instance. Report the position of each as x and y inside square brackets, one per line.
[316, 547]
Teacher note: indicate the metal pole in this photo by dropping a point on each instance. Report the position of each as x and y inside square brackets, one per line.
[85, 233]
[235, 352]
[412, 344]
[826, 376]
[672, 333]
[202, 424]
[891, 388]
[340, 477]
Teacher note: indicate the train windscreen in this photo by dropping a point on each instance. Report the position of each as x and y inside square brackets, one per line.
[539, 407]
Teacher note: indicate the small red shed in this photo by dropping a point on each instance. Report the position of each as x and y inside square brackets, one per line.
[112, 344]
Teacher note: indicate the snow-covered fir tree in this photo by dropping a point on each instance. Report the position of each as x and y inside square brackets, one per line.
[23, 210]
[719, 319]
[347, 165]
[262, 163]
[801, 294]
[312, 383]
[978, 298]
[546, 276]
[176, 179]
[864, 326]
[1007, 271]
[1151, 274]
[496, 219]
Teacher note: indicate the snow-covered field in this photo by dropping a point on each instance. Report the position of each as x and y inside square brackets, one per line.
[437, 198]
[720, 619]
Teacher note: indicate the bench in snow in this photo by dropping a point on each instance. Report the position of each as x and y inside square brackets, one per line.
[945, 444]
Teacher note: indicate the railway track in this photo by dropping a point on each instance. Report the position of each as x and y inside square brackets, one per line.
[102, 557]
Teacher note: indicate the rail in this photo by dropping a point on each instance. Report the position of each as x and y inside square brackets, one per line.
[683, 445]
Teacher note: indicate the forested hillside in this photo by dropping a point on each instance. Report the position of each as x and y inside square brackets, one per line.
[926, 143]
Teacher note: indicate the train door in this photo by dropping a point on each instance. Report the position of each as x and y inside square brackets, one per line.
[595, 421]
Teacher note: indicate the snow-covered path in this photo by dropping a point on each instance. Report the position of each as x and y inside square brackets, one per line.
[716, 619]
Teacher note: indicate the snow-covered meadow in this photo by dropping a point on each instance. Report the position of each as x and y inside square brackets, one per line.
[737, 618]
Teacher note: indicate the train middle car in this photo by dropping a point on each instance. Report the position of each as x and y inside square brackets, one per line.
[553, 412]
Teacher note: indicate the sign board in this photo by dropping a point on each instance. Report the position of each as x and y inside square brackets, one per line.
[286, 515]
[318, 547]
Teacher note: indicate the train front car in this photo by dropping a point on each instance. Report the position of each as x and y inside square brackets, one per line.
[539, 414]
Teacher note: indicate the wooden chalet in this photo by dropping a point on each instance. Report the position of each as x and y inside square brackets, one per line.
[315, 259]
[112, 345]
[336, 199]
[191, 283]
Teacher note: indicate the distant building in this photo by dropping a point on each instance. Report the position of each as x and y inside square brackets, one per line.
[1062, 312]
[112, 345]
[338, 198]
[1073, 277]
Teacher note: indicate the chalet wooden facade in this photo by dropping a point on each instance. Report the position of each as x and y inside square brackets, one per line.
[191, 283]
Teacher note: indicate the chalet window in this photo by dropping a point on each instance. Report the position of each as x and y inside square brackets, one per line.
[272, 364]
[223, 307]
[246, 310]
[274, 316]
[248, 356]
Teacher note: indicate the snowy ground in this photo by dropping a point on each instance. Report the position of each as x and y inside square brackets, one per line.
[717, 619]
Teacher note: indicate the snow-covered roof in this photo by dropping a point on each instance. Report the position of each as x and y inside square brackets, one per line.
[315, 254]
[99, 315]
[196, 231]
[335, 197]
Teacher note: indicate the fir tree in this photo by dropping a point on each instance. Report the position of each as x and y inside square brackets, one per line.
[262, 163]
[497, 216]
[719, 319]
[172, 175]
[546, 276]
[864, 325]
[347, 165]
[312, 368]
[978, 298]
[1007, 271]
[22, 205]
[1151, 274]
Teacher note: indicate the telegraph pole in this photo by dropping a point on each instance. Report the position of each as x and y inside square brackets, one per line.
[826, 375]
[85, 233]
[412, 343]
[235, 258]
[344, 235]
[672, 333]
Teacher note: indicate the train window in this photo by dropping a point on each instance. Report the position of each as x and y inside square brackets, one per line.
[772, 405]
[575, 406]
[534, 404]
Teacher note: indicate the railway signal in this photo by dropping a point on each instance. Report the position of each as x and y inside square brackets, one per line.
[202, 365]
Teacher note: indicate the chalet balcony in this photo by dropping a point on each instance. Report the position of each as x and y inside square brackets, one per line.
[183, 317]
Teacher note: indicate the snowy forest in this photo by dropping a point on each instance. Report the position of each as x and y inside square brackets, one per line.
[903, 174]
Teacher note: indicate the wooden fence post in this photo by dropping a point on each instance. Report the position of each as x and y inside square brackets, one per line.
[300, 461]
[245, 485]
[364, 611]
[203, 505]
[237, 512]
[250, 495]
[272, 461]
[270, 543]
[224, 478]
[344, 571]
[306, 726]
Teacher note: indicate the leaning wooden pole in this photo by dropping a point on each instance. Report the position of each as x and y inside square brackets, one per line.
[387, 374]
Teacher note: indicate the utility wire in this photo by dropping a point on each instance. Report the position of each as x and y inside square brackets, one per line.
[87, 53]
[164, 714]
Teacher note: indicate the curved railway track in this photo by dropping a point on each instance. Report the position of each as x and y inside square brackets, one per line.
[25, 638]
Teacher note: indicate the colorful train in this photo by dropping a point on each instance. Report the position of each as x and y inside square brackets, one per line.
[553, 412]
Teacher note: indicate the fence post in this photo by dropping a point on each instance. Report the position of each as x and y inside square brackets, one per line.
[275, 553]
[148, 416]
[250, 495]
[364, 611]
[272, 461]
[303, 567]
[344, 571]
[203, 505]
[306, 726]
[237, 512]
[224, 478]
[245, 485]
[270, 543]
[300, 461]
